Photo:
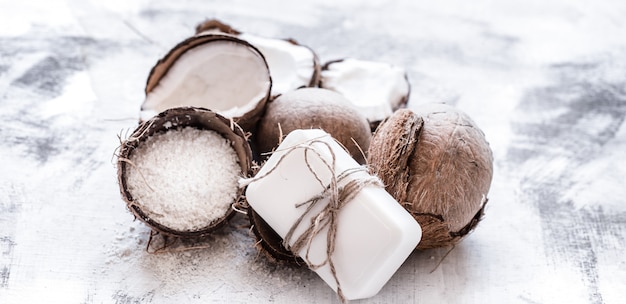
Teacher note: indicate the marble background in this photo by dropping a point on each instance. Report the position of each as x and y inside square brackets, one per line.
[545, 80]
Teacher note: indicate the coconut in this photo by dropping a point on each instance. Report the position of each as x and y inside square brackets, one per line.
[219, 72]
[292, 65]
[314, 108]
[305, 108]
[437, 163]
[376, 89]
[178, 171]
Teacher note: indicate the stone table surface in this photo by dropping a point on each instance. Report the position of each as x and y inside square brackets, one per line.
[545, 80]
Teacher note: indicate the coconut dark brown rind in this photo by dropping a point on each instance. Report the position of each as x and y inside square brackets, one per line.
[215, 26]
[292, 65]
[376, 89]
[215, 71]
[176, 119]
[438, 164]
[269, 242]
[313, 108]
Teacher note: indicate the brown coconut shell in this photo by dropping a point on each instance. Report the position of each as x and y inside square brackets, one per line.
[438, 165]
[171, 119]
[314, 108]
[217, 26]
[246, 121]
[269, 242]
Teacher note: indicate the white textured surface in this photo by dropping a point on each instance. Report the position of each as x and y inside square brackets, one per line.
[544, 80]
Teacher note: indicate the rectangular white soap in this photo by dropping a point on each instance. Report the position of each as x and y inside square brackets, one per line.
[375, 234]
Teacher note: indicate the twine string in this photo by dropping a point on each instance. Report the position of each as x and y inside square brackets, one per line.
[337, 198]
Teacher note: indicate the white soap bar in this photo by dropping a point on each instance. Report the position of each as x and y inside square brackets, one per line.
[375, 234]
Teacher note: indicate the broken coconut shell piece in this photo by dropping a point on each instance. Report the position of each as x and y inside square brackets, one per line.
[376, 89]
[291, 64]
[178, 171]
[437, 163]
[218, 72]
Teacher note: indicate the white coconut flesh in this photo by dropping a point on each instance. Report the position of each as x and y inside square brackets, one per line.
[184, 179]
[227, 77]
[377, 89]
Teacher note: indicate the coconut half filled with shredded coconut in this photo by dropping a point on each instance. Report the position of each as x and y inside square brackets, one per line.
[291, 64]
[178, 171]
[218, 72]
[376, 89]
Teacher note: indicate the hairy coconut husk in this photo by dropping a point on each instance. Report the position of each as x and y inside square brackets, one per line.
[437, 163]
[247, 120]
[171, 119]
[213, 26]
[314, 108]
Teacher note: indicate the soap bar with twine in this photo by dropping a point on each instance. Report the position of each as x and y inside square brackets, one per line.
[332, 213]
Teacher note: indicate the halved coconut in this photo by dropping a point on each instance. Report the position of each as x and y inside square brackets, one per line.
[219, 72]
[178, 171]
[291, 64]
[377, 89]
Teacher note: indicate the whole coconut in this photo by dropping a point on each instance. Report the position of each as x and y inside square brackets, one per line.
[309, 108]
[437, 163]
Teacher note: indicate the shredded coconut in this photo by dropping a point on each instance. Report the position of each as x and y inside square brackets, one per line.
[184, 179]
